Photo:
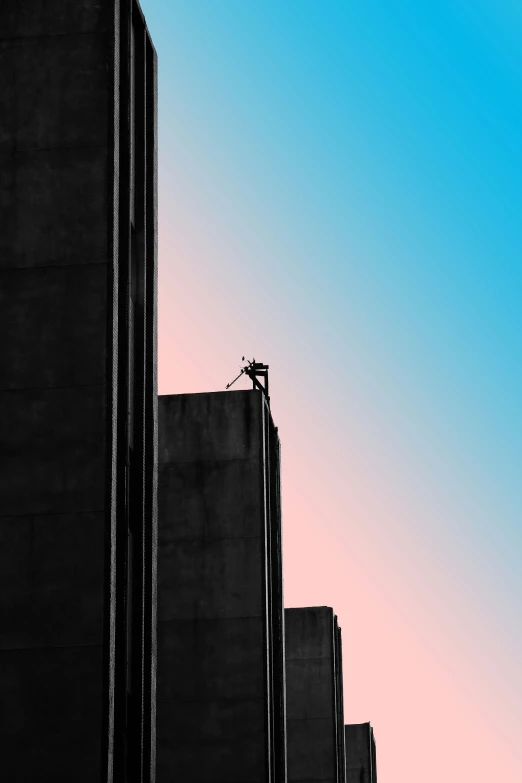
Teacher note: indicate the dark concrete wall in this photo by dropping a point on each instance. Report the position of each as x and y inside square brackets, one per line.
[314, 700]
[53, 312]
[220, 645]
[60, 377]
[361, 764]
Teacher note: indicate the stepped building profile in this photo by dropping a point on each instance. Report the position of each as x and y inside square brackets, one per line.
[143, 634]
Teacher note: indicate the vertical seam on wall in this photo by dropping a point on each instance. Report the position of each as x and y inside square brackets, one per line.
[111, 403]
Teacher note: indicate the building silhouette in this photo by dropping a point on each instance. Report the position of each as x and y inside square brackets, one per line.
[78, 402]
[221, 694]
[361, 762]
[81, 644]
[314, 680]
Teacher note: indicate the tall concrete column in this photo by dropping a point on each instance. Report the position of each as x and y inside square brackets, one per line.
[314, 696]
[220, 608]
[361, 762]
[78, 397]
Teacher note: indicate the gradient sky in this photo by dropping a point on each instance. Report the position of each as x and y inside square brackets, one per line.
[341, 197]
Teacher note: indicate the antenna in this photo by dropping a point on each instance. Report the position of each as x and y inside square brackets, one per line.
[254, 370]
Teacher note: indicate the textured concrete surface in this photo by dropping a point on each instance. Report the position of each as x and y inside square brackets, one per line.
[73, 114]
[51, 700]
[361, 763]
[54, 442]
[54, 17]
[63, 523]
[314, 700]
[215, 660]
[51, 595]
[54, 207]
[53, 316]
[46, 306]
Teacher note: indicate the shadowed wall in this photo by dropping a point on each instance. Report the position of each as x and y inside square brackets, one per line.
[361, 763]
[220, 618]
[314, 696]
[78, 400]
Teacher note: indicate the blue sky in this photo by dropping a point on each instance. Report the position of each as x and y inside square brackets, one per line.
[341, 185]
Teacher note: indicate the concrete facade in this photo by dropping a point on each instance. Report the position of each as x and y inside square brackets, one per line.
[314, 696]
[78, 399]
[220, 610]
[361, 762]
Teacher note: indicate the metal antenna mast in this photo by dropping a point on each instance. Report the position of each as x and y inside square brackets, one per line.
[254, 370]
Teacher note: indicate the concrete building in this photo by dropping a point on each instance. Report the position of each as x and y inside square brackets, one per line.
[78, 399]
[79, 463]
[220, 610]
[361, 762]
[314, 696]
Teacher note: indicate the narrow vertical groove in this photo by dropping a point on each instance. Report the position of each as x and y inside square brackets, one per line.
[139, 392]
[266, 581]
[112, 406]
[334, 694]
[342, 747]
[151, 450]
[273, 603]
[283, 734]
[123, 230]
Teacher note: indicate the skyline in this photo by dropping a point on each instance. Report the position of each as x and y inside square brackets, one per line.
[341, 190]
